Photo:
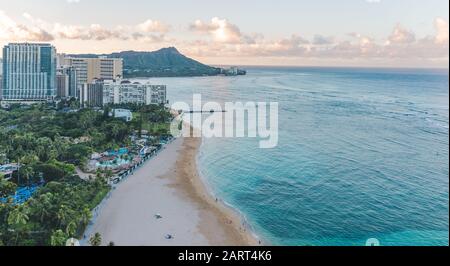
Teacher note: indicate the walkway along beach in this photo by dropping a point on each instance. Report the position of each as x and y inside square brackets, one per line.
[169, 186]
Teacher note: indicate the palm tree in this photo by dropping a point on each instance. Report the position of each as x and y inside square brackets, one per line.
[100, 178]
[115, 131]
[44, 149]
[96, 239]
[26, 171]
[25, 168]
[64, 214]
[86, 216]
[58, 238]
[60, 145]
[18, 218]
[7, 188]
[71, 228]
[44, 204]
[108, 175]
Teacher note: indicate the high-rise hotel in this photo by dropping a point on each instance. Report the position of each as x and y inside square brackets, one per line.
[91, 69]
[29, 72]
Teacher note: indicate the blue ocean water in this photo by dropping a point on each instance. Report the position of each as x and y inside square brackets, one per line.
[362, 153]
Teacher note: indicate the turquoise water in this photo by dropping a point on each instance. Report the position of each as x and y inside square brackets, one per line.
[363, 153]
[114, 163]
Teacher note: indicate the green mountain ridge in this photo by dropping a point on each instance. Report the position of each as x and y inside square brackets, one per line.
[166, 62]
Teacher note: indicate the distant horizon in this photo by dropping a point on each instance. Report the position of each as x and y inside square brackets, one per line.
[356, 33]
[249, 65]
[343, 67]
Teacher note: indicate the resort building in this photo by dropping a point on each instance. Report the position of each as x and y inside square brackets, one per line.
[123, 91]
[62, 85]
[7, 170]
[1, 78]
[90, 69]
[29, 72]
[61, 60]
[81, 67]
[124, 114]
[91, 94]
[66, 82]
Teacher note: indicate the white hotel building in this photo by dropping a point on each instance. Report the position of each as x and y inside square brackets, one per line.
[123, 91]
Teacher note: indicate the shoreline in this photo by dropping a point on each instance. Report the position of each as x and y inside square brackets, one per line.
[169, 184]
[230, 218]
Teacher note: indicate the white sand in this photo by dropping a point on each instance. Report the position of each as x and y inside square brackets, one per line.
[163, 186]
[127, 218]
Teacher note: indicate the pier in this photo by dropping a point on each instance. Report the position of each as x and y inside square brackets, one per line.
[203, 111]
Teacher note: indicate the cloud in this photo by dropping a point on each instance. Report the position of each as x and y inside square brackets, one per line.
[151, 26]
[441, 27]
[322, 40]
[293, 46]
[220, 38]
[92, 32]
[220, 30]
[39, 30]
[74, 32]
[12, 31]
[401, 36]
[149, 38]
[400, 46]
[73, 1]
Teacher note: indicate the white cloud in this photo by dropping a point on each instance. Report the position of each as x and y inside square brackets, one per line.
[401, 35]
[401, 45]
[39, 30]
[441, 27]
[219, 29]
[220, 38]
[153, 26]
[12, 31]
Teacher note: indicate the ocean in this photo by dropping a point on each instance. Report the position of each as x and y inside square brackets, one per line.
[362, 153]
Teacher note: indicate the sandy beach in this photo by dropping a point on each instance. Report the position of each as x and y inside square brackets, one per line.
[168, 185]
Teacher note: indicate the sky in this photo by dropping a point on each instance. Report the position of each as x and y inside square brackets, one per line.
[368, 33]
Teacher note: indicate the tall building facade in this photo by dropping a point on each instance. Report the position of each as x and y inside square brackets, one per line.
[66, 82]
[29, 72]
[91, 94]
[156, 94]
[81, 67]
[123, 91]
[90, 69]
[1, 78]
[62, 85]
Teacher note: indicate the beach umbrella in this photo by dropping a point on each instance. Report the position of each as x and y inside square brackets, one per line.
[72, 242]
